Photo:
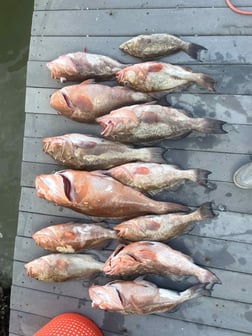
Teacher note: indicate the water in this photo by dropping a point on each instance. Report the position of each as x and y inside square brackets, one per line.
[15, 27]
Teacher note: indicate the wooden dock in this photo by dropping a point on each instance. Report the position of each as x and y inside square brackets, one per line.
[223, 245]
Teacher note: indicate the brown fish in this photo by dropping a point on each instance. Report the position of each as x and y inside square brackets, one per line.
[158, 76]
[140, 297]
[147, 122]
[157, 258]
[82, 65]
[156, 45]
[86, 101]
[162, 227]
[72, 237]
[61, 267]
[151, 177]
[95, 194]
[81, 151]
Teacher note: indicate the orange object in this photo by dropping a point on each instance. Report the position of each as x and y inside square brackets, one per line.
[237, 10]
[69, 324]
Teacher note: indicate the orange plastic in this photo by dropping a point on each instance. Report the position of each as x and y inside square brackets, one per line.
[69, 324]
[237, 10]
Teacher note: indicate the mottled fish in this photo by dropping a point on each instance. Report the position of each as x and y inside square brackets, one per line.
[162, 227]
[158, 76]
[147, 122]
[86, 101]
[145, 257]
[156, 45]
[151, 177]
[87, 152]
[61, 267]
[141, 297]
[95, 194]
[82, 65]
[72, 237]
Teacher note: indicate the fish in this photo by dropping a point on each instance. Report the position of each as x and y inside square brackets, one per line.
[147, 122]
[151, 177]
[88, 100]
[158, 76]
[162, 227]
[95, 194]
[81, 151]
[141, 297]
[72, 237]
[59, 267]
[152, 257]
[156, 45]
[79, 66]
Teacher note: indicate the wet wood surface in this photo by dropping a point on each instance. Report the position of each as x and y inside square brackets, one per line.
[222, 245]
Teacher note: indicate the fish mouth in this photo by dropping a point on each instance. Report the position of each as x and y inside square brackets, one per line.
[68, 190]
[119, 76]
[61, 102]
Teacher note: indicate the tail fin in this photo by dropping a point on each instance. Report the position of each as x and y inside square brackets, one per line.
[151, 154]
[200, 176]
[196, 291]
[206, 211]
[205, 82]
[210, 126]
[194, 50]
[208, 277]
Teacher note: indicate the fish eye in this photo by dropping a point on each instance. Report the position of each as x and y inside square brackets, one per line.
[126, 83]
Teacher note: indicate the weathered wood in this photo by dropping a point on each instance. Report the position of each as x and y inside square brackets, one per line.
[230, 79]
[237, 139]
[98, 4]
[220, 49]
[220, 21]
[206, 311]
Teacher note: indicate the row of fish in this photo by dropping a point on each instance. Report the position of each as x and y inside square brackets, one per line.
[117, 176]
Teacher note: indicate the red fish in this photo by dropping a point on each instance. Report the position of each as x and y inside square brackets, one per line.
[87, 152]
[157, 258]
[150, 177]
[86, 101]
[82, 65]
[95, 194]
[61, 267]
[148, 122]
[72, 237]
[158, 76]
[140, 297]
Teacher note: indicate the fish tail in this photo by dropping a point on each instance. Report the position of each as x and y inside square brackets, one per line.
[200, 176]
[169, 207]
[208, 277]
[196, 291]
[151, 154]
[210, 126]
[194, 50]
[206, 211]
[205, 82]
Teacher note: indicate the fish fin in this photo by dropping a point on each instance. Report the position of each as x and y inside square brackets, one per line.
[186, 113]
[177, 278]
[187, 68]
[83, 102]
[194, 50]
[135, 306]
[181, 136]
[88, 81]
[210, 126]
[153, 154]
[196, 291]
[157, 95]
[206, 211]
[201, 176]
[209, 277]
[205, 82]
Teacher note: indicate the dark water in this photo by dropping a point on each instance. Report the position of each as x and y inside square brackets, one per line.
[15, 27]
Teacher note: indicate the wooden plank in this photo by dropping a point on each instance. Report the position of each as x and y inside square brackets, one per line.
[230, 79]
[237, 140]
[185, 159]
[221, 49]
[237, 285]
[204, 310]
[237, 229]
[220, 21]
[98, 4]
[235, 256]
[233, 109]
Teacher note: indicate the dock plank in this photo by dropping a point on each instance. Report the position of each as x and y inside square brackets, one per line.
[221, 21]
